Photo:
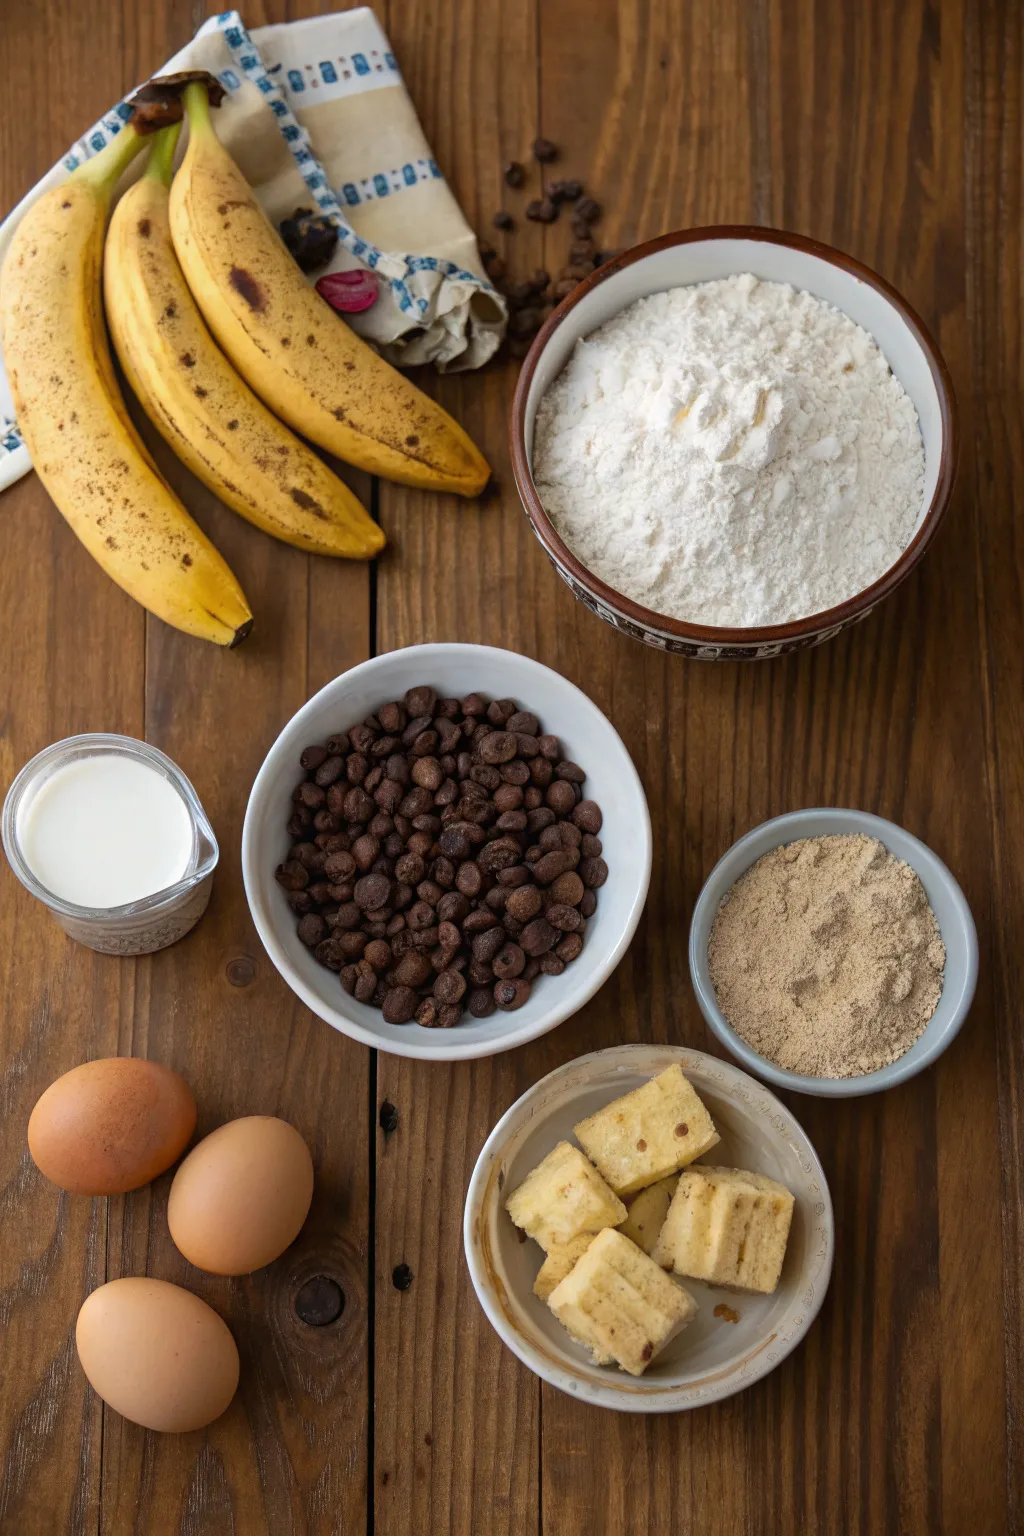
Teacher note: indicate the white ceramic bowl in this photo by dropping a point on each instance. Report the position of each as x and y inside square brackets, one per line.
[588, 738]
[698, 256]
[948, 903]
[713, 1357]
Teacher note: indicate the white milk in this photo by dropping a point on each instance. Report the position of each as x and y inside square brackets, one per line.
[105, 830]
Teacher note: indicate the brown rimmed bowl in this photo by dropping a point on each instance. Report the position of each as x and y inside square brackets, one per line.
[698, 256]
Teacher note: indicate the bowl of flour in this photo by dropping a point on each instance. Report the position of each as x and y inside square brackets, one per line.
[734, 442]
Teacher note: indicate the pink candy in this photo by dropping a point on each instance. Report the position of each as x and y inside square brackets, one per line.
[349, 292]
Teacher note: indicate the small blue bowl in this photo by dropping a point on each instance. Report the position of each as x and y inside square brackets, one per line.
[948, 903]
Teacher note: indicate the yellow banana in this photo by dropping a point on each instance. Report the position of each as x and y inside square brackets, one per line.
[194, 397]
[306, 363]
[83, 444]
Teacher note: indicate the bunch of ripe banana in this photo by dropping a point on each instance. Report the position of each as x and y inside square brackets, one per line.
[182, 258]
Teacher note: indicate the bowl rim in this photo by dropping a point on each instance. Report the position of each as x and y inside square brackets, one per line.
[899, 1071]
[624, 1394]
[446, 1047]
[768, 634]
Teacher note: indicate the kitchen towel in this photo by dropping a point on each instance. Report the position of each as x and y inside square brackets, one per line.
[316, 115]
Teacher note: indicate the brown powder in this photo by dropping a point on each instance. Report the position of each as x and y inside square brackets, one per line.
[826, 956]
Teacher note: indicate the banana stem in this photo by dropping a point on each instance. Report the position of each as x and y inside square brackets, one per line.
[160, 165]
[103, 171]
[197, 107]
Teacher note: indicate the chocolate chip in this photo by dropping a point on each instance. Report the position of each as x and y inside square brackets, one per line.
[400, 1004]
[538, 937]
[560, 797]
[593, 872]
[503, 220]
[568, 888]
[544, 151]
[565, 918]
[514, 173]
[551, 865]
[542, 211]
[449, 987]
[292, 875]
[312, 929]
[509, 961]
[371, 891]
[413, 970]
[378, 954]
[524, 902]
[329, 770]
[510, 995]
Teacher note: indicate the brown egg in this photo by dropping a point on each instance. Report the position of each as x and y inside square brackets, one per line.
[157, 1354]
[111, 1125]
[241, 1195]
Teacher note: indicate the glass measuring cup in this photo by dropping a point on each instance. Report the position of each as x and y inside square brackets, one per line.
[138, 927]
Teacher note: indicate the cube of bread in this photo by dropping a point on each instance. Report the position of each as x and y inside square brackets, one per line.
[564, 1196]
[649, 1133]
[559, 1262]
[647, 1211]
[727, 1226]
[617, 1302]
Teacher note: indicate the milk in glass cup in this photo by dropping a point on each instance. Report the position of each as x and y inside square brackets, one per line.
[109, 834]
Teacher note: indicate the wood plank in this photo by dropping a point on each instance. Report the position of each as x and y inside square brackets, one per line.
[457, 1431]
[995, 116]
[290, 1455]
[73, 656]
[835, 136]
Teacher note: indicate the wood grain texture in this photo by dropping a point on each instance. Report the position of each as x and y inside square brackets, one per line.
[896, 134]
[291, 1453]
[457, 1431]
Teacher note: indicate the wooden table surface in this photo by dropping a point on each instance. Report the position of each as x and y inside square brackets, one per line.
[894, 132]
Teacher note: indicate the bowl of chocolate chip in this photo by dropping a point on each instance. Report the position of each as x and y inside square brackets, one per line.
[446, 851]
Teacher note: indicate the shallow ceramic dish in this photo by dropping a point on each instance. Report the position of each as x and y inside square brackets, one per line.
[948, 903]
[713, 1357]
[697, 256]
[587, 737]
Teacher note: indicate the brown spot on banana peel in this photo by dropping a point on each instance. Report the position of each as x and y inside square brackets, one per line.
[305, 501]
[144, 227]
[246, 286]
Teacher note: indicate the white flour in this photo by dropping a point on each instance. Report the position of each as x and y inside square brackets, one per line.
[734, 453]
